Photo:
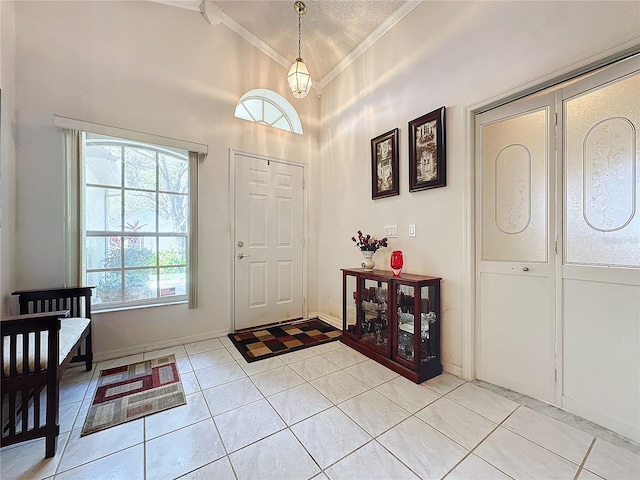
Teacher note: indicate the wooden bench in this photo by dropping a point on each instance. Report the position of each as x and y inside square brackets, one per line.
[52, 331]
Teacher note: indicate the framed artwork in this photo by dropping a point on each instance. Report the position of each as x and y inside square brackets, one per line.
[384, 165]
[427, 159]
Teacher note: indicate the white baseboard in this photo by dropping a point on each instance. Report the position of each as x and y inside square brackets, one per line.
[626, 430]
[452, 369]
[149, 347]
[331, 320]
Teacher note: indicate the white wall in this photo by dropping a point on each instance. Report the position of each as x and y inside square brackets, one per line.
[7, 155]
[455, 54]
[155, 69]
[163, 70]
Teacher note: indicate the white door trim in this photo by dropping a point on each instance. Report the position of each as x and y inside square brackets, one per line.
[233, 155]
[606, 56]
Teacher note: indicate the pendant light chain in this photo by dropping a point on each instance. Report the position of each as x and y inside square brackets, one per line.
[299, 35]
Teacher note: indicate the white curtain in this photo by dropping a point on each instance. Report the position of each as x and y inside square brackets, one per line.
[74, 220]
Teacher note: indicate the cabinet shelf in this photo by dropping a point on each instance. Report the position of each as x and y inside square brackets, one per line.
[393, 320]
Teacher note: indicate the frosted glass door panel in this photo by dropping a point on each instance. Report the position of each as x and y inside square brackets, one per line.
[514, 188]
[601, 175]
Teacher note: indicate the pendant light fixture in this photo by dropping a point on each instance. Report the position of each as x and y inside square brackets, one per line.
[298, 77]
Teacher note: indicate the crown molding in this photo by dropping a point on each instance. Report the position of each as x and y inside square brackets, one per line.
[406, 7]
[398, 15]
[193, 5]
[255, 41]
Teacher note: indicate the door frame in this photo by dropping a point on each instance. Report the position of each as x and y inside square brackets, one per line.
[233, 159]
[604, 58]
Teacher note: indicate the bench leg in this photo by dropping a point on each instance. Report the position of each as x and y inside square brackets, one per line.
[51, 444]
[88, 363]
[52, 429]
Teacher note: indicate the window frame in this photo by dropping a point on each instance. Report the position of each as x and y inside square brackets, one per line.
[74, 253]
[123, 234]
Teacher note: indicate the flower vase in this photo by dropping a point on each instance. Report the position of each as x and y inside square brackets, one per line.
[368, 264]
[396, 262]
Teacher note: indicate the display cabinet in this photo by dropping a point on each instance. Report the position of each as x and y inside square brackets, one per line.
[393, 320]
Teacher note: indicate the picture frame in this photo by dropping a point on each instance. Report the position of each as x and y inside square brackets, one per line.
[427, 151]
[385, 165]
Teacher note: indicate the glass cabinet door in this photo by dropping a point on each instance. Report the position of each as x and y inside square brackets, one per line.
[416, 316]
[405, 322]
[373, 314]
[349, 307]
[429, 335]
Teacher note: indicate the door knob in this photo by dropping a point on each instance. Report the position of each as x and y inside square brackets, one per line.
[241, 255]
[525, 269]
[241, 243]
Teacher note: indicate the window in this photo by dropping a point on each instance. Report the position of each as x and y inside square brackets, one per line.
[268, 108]
[134, 221]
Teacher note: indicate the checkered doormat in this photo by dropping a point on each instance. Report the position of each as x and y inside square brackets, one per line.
[271, 341]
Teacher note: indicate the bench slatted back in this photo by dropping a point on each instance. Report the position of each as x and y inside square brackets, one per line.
[23, 385]
[76, 299]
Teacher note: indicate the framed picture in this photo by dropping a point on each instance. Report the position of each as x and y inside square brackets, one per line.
[384, 165]
[427, 159]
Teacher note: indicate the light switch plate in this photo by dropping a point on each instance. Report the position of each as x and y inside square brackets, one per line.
[391, 231]
[412, 229]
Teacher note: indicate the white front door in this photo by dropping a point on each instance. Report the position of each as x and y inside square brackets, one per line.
[516, 310]
[268, 241]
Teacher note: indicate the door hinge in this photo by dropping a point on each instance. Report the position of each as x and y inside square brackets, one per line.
[556, 247]
[304, 301]
[303, 184]
[555, 375]
[304, 243]
[556, 119]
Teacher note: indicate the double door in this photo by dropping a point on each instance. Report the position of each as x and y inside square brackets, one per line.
[558, 247]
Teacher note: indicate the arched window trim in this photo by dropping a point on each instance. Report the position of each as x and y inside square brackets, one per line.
[281, 104]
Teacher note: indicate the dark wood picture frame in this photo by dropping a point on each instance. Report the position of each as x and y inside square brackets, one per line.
[384, 165]
[427, 152]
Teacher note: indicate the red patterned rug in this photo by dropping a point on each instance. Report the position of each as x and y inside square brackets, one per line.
[133, 391]
[268, 342]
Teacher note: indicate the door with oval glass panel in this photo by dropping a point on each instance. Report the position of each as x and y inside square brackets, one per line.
[600, 273]
[515, 271]
[268, 241]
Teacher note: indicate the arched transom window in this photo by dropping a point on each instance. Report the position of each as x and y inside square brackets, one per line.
[267, 107]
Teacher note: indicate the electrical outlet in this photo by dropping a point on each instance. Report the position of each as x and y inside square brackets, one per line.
[391, 231]
[412, 229]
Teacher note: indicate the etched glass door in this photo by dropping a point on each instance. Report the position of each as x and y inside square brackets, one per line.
[601, 266]
[516, 310]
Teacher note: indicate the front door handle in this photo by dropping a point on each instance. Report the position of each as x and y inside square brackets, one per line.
[242, 255]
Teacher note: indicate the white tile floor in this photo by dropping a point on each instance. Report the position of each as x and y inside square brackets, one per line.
[323, 412]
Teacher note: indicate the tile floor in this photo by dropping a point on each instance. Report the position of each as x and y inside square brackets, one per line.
[324, 412]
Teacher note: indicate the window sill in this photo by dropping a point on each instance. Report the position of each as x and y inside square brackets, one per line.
[123, 308]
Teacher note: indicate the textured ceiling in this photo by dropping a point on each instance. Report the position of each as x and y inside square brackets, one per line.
[332, 30]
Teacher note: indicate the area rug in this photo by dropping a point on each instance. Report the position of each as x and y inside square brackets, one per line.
[133, 391]
[268, 342]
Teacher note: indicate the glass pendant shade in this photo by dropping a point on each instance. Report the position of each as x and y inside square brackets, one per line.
[299, 79]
